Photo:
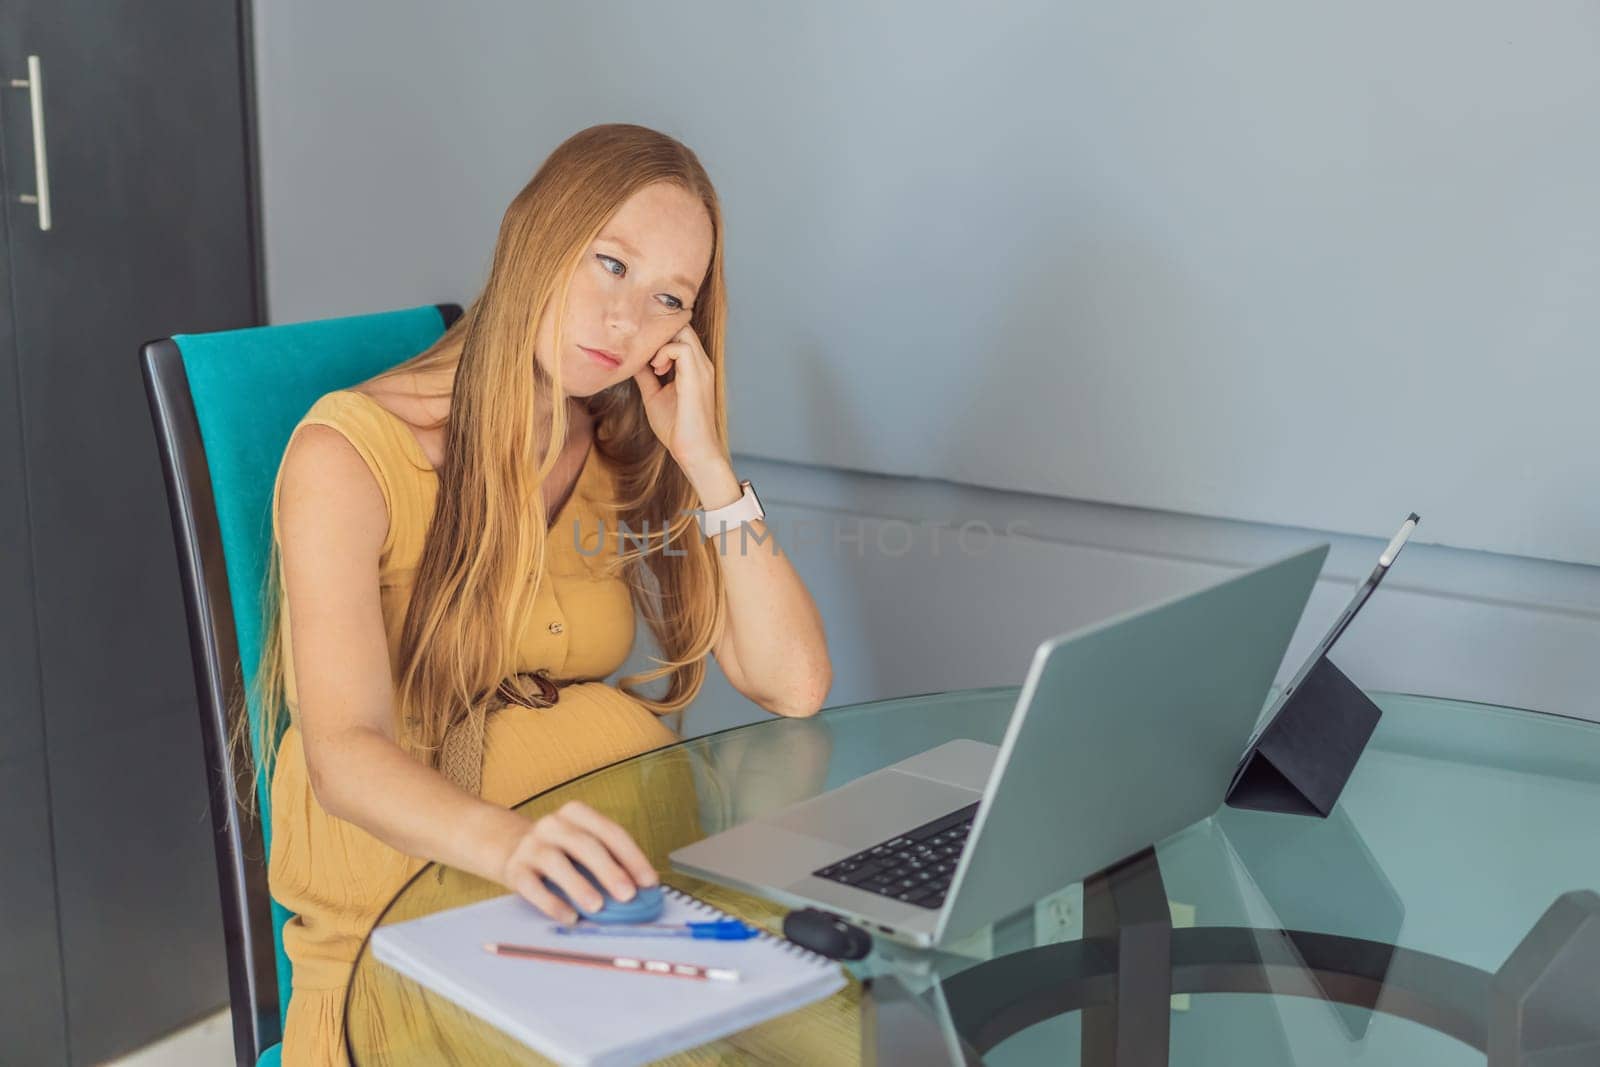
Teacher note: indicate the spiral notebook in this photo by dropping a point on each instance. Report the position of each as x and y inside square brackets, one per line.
[587, 1015]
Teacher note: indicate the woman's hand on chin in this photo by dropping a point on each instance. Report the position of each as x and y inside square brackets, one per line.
[682, 412]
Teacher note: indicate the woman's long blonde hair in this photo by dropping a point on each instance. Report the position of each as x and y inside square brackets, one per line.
[487, 534]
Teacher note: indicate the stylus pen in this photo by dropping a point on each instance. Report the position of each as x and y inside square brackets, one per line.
[665, 968]
[1399, 541]
[1385, 561]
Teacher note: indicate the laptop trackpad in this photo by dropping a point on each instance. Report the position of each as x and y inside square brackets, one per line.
[874, 808]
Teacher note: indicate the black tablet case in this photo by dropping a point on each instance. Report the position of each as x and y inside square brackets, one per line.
[1300, 763]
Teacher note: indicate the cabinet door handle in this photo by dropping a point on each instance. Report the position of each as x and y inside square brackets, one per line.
[41, 169]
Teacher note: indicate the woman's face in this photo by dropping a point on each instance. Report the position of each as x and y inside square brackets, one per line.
[633, 290]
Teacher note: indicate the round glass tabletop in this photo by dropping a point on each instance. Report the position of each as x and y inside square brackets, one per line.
[1371, 936]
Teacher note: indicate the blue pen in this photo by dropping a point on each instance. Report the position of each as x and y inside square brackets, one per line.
[721, 930]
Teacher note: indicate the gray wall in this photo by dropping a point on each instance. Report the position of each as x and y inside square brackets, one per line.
[1091, 255]
[1298, 263]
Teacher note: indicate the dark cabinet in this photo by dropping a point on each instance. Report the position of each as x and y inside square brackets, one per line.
[110, 933]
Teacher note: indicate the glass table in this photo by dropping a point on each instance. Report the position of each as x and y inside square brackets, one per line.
[1440, 916]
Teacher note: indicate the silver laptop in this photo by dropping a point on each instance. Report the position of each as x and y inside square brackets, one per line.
[1124, 733]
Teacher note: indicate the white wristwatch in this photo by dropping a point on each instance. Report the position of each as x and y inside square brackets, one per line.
[746, 509]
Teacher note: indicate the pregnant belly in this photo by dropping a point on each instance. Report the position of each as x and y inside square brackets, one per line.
[530, 750]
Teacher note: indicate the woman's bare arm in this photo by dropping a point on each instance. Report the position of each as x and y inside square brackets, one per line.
[332, 522]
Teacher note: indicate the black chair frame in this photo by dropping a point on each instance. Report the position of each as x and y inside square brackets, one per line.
[213, 646]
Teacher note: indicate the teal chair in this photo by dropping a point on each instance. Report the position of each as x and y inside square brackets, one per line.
[224, 405]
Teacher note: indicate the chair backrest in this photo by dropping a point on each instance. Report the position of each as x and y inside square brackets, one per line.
[224, 405]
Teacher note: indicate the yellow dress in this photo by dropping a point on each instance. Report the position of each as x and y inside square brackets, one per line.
[335, 877]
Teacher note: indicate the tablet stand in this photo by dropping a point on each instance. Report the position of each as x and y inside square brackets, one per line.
[1301, 761]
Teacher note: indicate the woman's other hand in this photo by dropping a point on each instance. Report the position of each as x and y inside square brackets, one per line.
[550, 844]
[683, 412]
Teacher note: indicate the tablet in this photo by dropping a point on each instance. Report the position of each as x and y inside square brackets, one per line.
[1365, 590]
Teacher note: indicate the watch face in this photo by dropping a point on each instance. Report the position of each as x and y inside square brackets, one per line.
[760, 511]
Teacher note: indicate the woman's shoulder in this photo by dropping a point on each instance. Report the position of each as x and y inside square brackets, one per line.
[382, 426]
[326, 477]
[347, 441]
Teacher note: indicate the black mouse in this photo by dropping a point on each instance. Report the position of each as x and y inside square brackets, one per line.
[826, 934]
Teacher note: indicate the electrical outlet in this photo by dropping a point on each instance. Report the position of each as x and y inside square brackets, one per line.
[1059, 916]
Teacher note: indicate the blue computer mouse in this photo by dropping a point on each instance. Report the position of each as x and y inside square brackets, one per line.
[645, 906]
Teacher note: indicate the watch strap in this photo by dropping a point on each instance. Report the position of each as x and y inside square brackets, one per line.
[747, 508]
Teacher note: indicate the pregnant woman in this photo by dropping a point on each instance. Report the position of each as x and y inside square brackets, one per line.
[448, 591]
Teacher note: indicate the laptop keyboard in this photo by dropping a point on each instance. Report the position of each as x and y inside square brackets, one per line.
[914, 867]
